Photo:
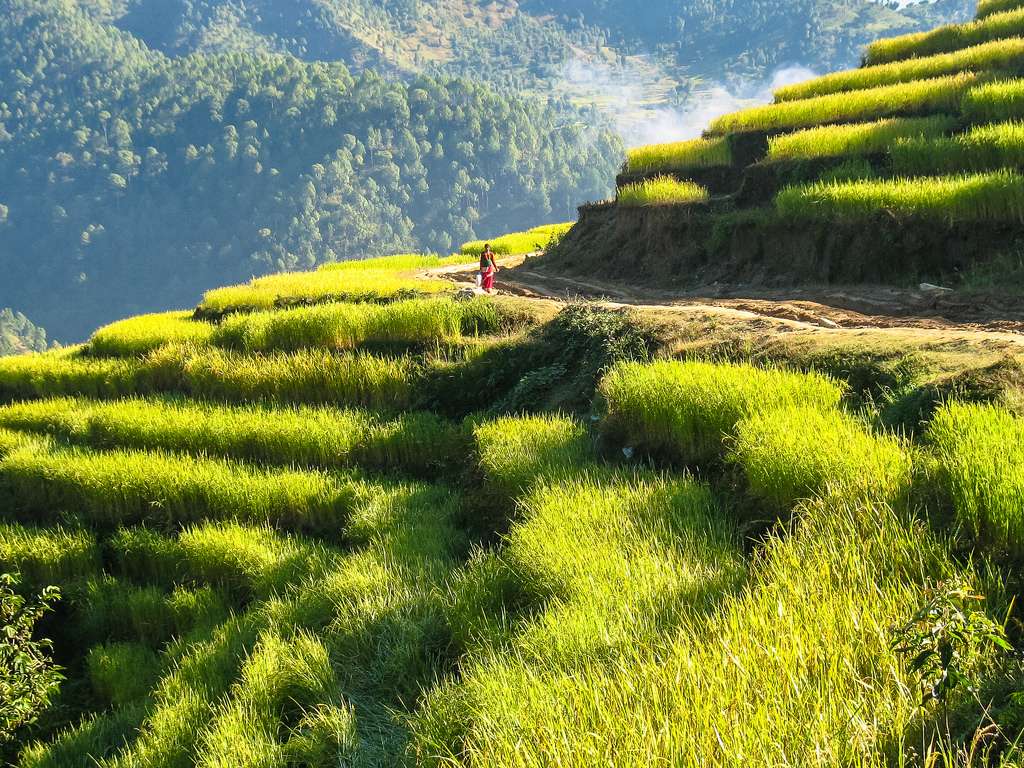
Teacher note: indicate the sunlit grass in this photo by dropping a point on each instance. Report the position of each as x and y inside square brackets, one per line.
[663, 190]
[997, 55]
[989, 7]
[536, 239]
[951, 37]
[696, 153]
[856, 138]
[981, 148]
[45, 556]
[144, 333]
[941, 95]
[995, 196]
[993, 102]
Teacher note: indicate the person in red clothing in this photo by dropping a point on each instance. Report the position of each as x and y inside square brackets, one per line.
[488, 268]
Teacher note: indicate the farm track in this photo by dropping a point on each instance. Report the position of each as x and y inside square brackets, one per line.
[922, 315]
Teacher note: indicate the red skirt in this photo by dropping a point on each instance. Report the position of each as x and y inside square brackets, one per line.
[488, 281]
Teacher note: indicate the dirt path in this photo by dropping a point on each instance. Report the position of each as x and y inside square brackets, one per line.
[925, 315]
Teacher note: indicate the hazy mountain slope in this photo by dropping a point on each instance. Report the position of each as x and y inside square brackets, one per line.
[18, 334]
[137, 179]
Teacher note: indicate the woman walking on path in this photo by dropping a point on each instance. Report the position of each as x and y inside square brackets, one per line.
[488, 268]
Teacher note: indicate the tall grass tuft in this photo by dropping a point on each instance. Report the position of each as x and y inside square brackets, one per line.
[45, 556]
[997, 56]
[683, 410]
[696, 153]
[940, 95]
[63, 373]
[988, 7]
[663, 190]
[138, 335]
[995, 196]
[981, 459]
[398, 263]
[798, 453]
[856, 139]
[122, 673]
[951, 37]
[982, 148]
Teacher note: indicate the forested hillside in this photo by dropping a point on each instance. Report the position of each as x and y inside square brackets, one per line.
[133, 180]
[18, 334]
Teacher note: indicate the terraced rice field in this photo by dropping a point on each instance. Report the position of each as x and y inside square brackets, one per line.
[277, 547]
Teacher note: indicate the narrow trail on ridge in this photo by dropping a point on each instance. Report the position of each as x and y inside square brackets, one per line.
[924, 315]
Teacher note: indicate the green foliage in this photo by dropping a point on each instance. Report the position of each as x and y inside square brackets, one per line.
[995, 196]
[663, 190]
[28, 677]
[122, 673]
[981, 458]
[696, 153]
[997, 56]
[989, 7]
[939, 95]
[951, 37]
[684, 410]
[991, 102]
[536, 239]
[48, 556]
[144, 333]
[856, 139]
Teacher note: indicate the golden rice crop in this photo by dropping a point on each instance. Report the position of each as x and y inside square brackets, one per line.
[989, 7]
[981, 459]
[981, 148]
[65, 373]
[951, 37]
[347, 326]
[684, 410]
[991, 102]
[798, 453]
[940, 95]
[856, 138]
[312, 437]
[997, 55]
[996, 196]
[663, 190]
[402, 262]
[323, 286]
[535, 239]
[144, 333]
[696, 153]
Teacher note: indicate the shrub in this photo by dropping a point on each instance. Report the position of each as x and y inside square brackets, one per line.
[998, 55]
[981, 458]
[684, 410]
[122, 673]
[951, 37]
[45, 556]
[855, 139]
[663, 190]
[995, 196]
[982, 148]
[799, 453]
[696, 153]
[940, 95]
[138, 335]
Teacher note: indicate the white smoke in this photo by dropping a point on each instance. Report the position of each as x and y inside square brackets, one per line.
[630, 97]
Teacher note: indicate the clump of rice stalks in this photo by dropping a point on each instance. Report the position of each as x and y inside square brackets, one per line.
[951, 37]
[122, 673]
[981, 459]
[516, 451]
[696, 153]
[683, 410]
[663, 190]
[144, 333]
[856, 139]
[940, 95]
[988, 7]
[347, 326]
[798, 453]
[982, 148]
[998, 55]
[536, 239]
[996, 196]
[402, 262]
[45, 556]
[992, 102]
[322, 286]
[63, 372]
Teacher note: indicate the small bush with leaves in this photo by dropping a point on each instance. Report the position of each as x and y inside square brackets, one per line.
[28, 676]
